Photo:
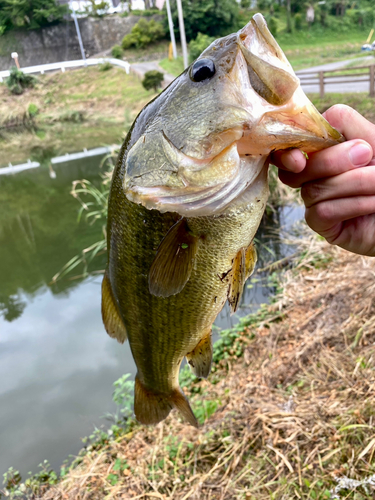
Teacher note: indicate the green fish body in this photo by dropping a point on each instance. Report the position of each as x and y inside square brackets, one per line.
[187, 196]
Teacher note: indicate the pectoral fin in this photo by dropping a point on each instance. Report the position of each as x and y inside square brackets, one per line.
[111, 317]
[237, 281]
[250, 259]
[243, 267]
[172, 266]
[200, 358]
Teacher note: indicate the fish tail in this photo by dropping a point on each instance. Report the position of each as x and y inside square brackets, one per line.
[151, 407]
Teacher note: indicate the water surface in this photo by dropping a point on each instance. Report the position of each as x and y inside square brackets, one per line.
[57, 364]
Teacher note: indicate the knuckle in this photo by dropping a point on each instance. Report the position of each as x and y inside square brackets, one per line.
[324, 213]
[311, 192]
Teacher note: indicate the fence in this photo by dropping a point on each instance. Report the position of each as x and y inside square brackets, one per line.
[42, 68]
[324, 78]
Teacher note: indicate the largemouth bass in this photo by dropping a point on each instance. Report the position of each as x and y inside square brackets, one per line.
[187, 196]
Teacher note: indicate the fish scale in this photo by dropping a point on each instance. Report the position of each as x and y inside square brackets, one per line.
[187, 196]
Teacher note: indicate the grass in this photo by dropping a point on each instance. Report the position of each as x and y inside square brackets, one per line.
[359, 101]
[76, 109]
[174, 67]
[286, 413]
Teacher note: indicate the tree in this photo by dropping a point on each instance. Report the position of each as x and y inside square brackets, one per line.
[152, 80]
[30, 14]
[211, 17]
[143, 33]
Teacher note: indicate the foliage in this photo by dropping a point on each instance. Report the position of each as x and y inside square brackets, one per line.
[143, 33]
[106, 66]
[123, 395]
[145, 12]
[245, 4]
[18, 81]
[30, 14]
[272, 25]
[152, 80]
[117, 51]
[197, 46]
[33, 109]
[298, 21]
[97, 9]
[211, 17]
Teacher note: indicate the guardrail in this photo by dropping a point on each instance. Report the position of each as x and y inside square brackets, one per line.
[62, 66]
[324, 78]
[14, 169]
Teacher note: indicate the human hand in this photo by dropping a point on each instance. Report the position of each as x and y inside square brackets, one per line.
[338, 183]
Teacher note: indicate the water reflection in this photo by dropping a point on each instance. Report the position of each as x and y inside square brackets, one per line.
[57, 365]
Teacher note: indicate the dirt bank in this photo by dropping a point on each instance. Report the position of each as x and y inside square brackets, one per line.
[291, 403]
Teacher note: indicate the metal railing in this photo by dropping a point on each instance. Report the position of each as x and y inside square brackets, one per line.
[62, 66]
[323, 78]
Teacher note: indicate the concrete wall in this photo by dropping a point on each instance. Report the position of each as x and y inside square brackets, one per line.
[60, 42]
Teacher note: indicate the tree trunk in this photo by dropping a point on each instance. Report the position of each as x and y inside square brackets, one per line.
[288, 17]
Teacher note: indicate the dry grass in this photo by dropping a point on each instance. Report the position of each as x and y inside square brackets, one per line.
[294, 411]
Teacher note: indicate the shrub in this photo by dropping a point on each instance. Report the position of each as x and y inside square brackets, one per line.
[146, 12]
[105, 66]
[152, 80]
[272, 25]
[213, 17]
[298, 21]
[116, 51]
[245, 4]
[32, 110]
[143, 33]
[197, 46]
[17, 81]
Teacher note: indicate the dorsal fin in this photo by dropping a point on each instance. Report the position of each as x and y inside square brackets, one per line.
[111, 317]
[172, 266]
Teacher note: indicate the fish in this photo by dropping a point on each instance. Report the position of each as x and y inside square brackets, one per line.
[187, 196]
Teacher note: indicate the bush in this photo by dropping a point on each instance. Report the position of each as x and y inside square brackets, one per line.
[17, 81]
[146, 12]
[245, 4]
[32, 110]
[212, 17]
[152, 80]
[298, 22]
[143, 33]
[117, 52]
[197, 46]
[272, 25]
[106, 66]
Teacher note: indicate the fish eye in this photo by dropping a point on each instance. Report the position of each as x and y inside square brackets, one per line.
[202, 70]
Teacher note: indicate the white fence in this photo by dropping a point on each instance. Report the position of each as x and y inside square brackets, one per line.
[62, 66]
[13, 169]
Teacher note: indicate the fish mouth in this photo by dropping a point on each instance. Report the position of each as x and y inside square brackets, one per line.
[291, 120]
[275, 115]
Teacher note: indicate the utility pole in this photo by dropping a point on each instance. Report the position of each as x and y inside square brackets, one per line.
[170, 24]
[78, 33]
[182, 33]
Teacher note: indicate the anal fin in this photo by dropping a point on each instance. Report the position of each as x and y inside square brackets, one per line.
[200, 358]
[110, 314]
[172, 266]
[151, 408]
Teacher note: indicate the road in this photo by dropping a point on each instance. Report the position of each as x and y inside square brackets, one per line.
[337, 85]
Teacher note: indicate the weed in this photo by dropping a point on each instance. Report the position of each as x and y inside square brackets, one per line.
[106, 66]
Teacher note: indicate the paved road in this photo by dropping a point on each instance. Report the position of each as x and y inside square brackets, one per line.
[337, 85]
[142, 67]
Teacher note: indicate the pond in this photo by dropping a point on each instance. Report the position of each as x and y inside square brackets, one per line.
[57, 364]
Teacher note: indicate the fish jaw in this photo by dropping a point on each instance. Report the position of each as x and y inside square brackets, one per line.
[265, 110]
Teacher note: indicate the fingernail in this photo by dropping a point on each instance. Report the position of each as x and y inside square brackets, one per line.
[360, 154]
